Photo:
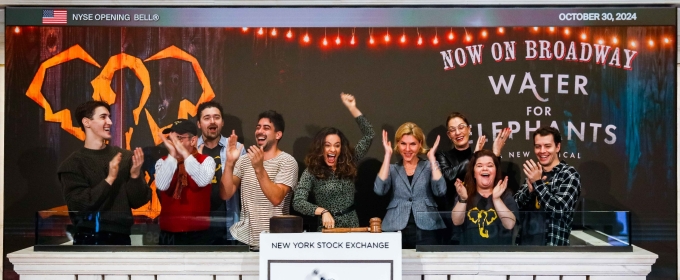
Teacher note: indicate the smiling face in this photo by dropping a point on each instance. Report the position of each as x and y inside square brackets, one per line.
[409, 147]
[265, 135]
[100, 124]
[459, 133]
[546, 151]
[210, 123]
[485, 172]
[331, 150]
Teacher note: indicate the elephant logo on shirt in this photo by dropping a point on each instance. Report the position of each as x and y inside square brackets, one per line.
[482, 219]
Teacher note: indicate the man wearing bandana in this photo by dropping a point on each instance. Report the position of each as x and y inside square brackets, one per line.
[183, 179]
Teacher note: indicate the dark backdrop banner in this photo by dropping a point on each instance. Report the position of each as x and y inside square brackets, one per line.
[610, 90]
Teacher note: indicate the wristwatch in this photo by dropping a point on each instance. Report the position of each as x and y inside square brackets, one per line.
[462, 200]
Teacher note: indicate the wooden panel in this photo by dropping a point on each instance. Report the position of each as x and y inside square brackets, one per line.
[436, 277]
[183, 277]
[90, 277]
[227, 277]
[47, 277]
[142, 277]
[579, 277]
[116, 277]
[618, 277]
[478, 277]
[521, 277]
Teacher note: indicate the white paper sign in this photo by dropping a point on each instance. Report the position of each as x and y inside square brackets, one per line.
[330, 256]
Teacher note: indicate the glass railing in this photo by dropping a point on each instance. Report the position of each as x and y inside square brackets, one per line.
[470, 230]
[478, 229]
[144, 231]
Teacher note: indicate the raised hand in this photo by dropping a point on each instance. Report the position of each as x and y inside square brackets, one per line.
[327, 220]
[114, 165]
[181, 150]
[137, 161]
[432, 151]
[499, 142]
[233, 152]
[533, 171]
[461, 190]
[499, 189]
[480, 143]
[256, 155]
[351, 104]
[168, 145]
[387, 144]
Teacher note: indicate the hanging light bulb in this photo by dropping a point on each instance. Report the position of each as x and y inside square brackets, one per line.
[306, 38]
[501, 30]
[403, 38]
[337, 40]
[435, 40]
[451, 35]
[261, 31]
[351, 42]
[484, 34]
[387, 38]
[371, 40]
[244, 29]
[289, 34]
[420, 40]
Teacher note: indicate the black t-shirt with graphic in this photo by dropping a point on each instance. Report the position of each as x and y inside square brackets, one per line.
[482, 224]
[218, 207]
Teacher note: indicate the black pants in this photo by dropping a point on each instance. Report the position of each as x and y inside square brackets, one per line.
[203, 237]
[411, 235]
[85, 236]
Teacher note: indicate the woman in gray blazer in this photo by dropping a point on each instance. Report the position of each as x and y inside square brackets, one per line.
[415, 182]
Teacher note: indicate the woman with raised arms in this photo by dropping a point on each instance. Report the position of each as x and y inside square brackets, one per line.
[415, 183]
[331, 171]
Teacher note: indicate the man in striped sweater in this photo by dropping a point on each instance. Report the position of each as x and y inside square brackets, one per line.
[266, 176]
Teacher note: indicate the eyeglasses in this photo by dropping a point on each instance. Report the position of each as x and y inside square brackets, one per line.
[181, 138]
[460, 127]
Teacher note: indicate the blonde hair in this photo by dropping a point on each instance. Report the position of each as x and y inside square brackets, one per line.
[409, 128]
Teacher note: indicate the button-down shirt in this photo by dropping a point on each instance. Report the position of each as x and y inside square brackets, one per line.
[557, 196]
[233, 205]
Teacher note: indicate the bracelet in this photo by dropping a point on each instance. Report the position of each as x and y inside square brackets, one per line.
[323, 212]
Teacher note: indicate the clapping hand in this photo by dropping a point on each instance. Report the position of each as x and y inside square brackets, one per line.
[500, 141]
[432, 151]
[461, 190]
[499, 189]
[233, 152]
[137, 161]
[387, 144]
[480, 143]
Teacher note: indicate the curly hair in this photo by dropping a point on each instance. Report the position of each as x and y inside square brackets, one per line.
[470, 181]
[346, 165]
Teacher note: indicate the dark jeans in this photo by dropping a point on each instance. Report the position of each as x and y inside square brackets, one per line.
[85, 236]
[411, 235]
[202, 237]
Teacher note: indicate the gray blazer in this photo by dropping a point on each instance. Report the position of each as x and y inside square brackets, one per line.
[417, 197]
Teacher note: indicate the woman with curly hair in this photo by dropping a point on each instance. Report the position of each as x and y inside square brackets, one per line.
[331, 170]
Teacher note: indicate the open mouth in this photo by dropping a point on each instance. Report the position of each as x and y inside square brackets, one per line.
[330, 158]
[261, 139]
[212, 129]
[107, 129]
[486, 175]
[460, 138]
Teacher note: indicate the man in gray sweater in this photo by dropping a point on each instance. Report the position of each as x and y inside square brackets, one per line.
[102, 182]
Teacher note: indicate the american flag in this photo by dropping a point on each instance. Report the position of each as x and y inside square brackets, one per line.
[54, 17]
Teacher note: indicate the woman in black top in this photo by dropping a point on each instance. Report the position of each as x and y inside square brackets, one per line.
[485, 208]
[453, 163]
